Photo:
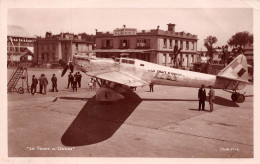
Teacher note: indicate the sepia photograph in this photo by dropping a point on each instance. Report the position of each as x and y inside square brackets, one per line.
[130, 82]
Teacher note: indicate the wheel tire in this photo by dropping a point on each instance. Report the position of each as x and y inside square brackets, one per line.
[20, 90]
[241, 98]
[234, 96]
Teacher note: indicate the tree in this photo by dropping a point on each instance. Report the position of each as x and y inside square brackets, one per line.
[240, 39]
[208, 43]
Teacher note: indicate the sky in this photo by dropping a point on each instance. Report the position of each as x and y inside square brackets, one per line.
[222, 23]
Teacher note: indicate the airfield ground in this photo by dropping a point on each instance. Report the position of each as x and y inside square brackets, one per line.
[163, 123]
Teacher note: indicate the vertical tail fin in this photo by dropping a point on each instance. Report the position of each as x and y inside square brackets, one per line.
[237, 69]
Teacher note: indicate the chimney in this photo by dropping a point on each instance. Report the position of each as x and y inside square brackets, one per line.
[171, 27]
[158, 27]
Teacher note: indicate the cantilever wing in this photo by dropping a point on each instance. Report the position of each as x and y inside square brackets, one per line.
[118, 77]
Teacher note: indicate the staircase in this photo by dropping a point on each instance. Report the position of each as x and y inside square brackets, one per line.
[15, 78]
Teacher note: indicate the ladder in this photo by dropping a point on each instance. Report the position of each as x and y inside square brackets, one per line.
[15, 78]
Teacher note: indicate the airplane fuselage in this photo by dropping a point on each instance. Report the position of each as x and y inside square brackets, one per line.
[158, 74]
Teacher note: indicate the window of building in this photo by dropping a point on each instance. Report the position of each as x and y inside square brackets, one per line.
[53, 55]
[170, 59]
[143, 43]
[77, 48]
[53, 46]
[42, 56]
[187, 45]
[170, 43]
[107, 43]
[176, 42]
[124, 43]
[181, 46]
[192, 45]
[164, 58]
[164, 43]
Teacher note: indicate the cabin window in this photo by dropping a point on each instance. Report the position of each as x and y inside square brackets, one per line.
[131, 62]
[124, 61]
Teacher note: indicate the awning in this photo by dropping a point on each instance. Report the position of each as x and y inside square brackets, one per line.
[120, 50]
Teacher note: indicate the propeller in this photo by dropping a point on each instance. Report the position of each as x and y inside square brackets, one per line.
[66, 66]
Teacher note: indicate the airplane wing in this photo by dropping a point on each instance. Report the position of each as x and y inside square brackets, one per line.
[118, 77]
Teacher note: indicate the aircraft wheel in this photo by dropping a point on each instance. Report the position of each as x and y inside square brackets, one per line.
[20, 90]
[234, 96]
[240, 98]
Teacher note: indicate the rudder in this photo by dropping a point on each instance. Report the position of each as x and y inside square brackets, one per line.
[237, 69]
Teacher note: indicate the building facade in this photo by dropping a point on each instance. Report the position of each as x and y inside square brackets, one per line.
[16, 47]
[155, 45]
[49, 50]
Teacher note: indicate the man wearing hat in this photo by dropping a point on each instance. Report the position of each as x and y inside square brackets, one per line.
[211, 97]
[54, 83]
[34, 85]
[202, 97]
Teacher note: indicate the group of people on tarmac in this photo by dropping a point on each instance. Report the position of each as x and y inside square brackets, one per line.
[43, 82]
[202, 97]
[75, 80]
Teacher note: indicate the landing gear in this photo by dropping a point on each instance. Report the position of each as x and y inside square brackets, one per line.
[238, 97]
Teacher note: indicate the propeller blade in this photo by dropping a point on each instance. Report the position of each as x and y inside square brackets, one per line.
[62, 63]
[71, 67]
[64, 70]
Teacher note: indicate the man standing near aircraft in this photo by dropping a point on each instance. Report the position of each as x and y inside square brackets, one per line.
[54, 83]
[202, 97]
[34, 85]
[211, 97]
[151, 87]
[70, 80]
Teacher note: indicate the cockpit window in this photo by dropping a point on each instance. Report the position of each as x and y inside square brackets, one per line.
[128, 61]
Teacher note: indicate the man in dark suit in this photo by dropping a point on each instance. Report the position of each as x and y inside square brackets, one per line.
[70, 80]
[34, 85]
[202, 97]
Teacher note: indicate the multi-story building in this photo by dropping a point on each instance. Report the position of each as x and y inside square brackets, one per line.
[19, 41]
[63, 46]
[155, 45]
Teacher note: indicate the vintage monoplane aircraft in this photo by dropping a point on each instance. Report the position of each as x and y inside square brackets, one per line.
[113, 73]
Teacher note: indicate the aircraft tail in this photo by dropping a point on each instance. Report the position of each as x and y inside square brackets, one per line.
[237, 69]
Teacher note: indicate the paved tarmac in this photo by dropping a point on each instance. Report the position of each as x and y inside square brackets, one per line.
[164, 123]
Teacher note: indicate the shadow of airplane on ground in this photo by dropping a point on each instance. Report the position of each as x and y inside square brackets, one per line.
[97, 122]
[224, 102]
